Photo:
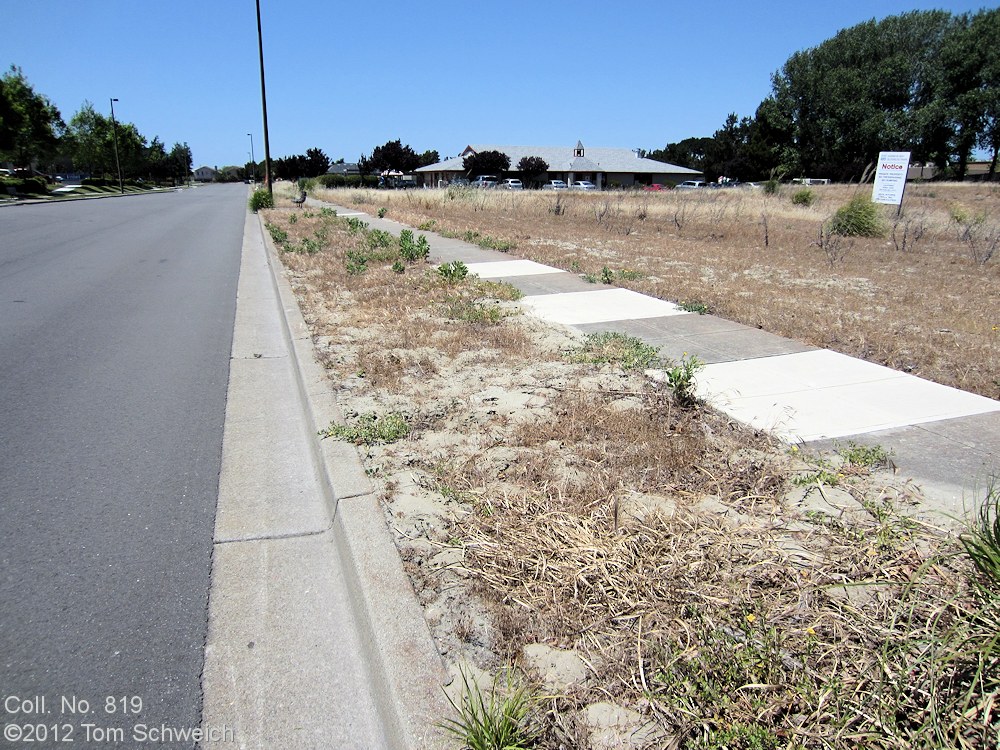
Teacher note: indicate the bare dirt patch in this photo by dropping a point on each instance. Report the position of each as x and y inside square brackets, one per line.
[663, 576]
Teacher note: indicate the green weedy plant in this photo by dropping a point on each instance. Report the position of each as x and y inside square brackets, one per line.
[693, 306]
[279, 235]
[382, 211]
[371, 429]
[680, 379]
[804, 197]
[453, 272]
[866, 456]
[982, 540]
[413, 250]
[379, 239]
[858, 218]
[611, 347]
[503, 720]
[398, 267]
[261, 199]
[355, 226]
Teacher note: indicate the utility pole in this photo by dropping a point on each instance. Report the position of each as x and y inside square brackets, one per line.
[114, 132]
[263, 101]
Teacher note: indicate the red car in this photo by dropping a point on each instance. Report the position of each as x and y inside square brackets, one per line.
[655, 187]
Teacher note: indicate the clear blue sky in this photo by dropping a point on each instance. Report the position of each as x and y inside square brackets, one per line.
[439, 74]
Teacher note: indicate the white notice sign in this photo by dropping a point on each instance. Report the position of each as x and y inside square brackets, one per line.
[890, 177]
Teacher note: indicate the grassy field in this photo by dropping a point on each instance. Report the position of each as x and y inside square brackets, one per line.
[923, 298]
[719, 590]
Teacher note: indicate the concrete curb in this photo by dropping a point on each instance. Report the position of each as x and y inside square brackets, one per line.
[407, 669]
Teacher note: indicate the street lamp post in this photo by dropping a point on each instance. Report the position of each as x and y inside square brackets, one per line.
[252, 160]
[114, 133]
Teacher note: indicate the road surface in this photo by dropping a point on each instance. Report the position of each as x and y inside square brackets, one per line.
[116, 320]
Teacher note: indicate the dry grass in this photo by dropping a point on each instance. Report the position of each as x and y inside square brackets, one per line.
[668, 546]
[922, 299]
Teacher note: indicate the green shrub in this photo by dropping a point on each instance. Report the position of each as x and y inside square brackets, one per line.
[382, 211]
[804, 197]
[453, 272]
[379, 239]
[772, 187]
[858, 218]
[413, 250]
[261, 199]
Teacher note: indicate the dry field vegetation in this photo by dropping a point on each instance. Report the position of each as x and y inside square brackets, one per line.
[924, 298]
[639, 572]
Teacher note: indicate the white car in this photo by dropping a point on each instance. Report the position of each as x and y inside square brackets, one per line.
[484, 181]
[583, 185]
[555, 185]
[691, 185]
[511, 183]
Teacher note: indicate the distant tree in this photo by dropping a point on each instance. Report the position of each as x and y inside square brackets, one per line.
[532, 168]
[91, 144]
[690, 153]
[31, 124]
[181, 162]
[10, 120]
[487, 162]
[393, 155]
[316, 163]
[875, 86]
[429, 157]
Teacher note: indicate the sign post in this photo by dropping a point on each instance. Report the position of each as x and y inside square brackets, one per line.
[890, 178]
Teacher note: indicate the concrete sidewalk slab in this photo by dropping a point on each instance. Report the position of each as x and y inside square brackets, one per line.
[287, 674]
[505, 269]
[601, 305]
[822, 394]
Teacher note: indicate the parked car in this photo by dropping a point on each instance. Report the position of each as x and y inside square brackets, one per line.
[654, 188]
[485, 181]
[583, 185]
[459, 182]
[511, 183]
[691, 185]
[555, 185]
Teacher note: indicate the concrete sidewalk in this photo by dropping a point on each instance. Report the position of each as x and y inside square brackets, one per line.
[316, 639]
[946, 439]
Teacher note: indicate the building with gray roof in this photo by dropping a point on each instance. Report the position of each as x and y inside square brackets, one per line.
[605, 167]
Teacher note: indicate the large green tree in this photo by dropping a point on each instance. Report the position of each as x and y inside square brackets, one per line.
[869, 88]
[532, 168]
[90, 141]
[393, 155]
[30, 125]
[486, 162]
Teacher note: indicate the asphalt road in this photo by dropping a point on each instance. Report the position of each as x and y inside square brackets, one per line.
[116, 320]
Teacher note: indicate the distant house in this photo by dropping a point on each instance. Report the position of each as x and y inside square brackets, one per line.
[344, 169]
[205, 174]
[605, 167]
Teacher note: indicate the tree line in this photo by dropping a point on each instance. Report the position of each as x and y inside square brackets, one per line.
[34, 137]
[927, 82]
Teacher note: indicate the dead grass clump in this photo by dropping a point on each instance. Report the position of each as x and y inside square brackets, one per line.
[711, 626]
